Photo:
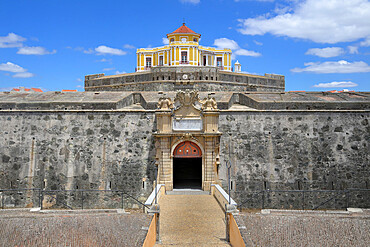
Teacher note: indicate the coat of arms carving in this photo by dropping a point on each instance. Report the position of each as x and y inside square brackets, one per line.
[187, 98]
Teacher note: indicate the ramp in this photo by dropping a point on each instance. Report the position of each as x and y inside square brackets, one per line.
[191, 220]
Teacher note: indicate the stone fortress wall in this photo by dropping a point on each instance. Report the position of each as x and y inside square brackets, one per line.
[112, 146]
[297, 150]
[77, 150]
[189, 77]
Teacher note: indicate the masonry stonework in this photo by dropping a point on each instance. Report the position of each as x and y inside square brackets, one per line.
[114, 150]
[77, 150]
[296, 151]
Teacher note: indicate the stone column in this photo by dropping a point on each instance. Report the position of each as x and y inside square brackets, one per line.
[164, 129]
[208, 163]
[165, 164]
[210, 127]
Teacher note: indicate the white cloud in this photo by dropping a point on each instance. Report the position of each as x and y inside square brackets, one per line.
[329, 21]
[352, 49]
[257, 43]
[14, 68]
[340, 67]
[254, 0]
[243, 52]
[190, 1]
[88, 51]
[366, 42]
[108, 69]
[165, 41]
[12, 40]
[223, 43]
[5, 89]
[120, 72]
[11, 67]
[104, 50]
[325, 52]
[127, 46]
[337, 84]
[79, 86]
[79, 79]
[34, 50]
[103, 60]
[23, 75]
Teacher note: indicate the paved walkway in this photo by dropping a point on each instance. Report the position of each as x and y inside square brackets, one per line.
[191, 220]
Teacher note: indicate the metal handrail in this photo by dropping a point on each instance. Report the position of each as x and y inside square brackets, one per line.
[48, 192]
[338, 193]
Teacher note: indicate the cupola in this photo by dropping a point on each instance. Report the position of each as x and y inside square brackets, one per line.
[183, 35]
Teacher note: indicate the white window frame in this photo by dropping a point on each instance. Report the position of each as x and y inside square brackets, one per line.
[182, 61]
[146, 62]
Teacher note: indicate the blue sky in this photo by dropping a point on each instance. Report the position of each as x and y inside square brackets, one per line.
[318, 45]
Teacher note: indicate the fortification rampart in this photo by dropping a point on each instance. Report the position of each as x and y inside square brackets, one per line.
[187, 77]
[114, 150]
[296, 151]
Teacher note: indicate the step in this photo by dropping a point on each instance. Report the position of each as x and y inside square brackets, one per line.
[187, 192]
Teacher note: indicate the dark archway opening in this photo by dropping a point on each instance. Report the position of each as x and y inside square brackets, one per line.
[187, 173]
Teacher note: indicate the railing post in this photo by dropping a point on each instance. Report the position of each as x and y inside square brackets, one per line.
[227, 224]
[263, 199]
[41, 198]
[82, 199]
[347, 198]
[122, 199]
[2, 199]
[155, 190]
[302, 199]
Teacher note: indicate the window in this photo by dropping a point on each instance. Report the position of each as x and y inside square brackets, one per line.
[148, 63]
[172, 40]
[195, 40]
[184, 57]
[160, 60]
[204, 61]
[219, 61]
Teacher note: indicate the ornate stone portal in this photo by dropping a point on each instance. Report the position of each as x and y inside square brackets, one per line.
[191, 120]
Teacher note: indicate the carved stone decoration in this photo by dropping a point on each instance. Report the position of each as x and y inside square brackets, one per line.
[209, 104]
[187, 136]
[187, 98]
[165, 103]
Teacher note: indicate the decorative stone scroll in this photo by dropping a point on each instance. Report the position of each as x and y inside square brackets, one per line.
[209, 104]
[165, 103]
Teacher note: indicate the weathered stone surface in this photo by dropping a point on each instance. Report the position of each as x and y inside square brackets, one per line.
[114, 149]
[296, 151]
[92, 101]
[69, 151]
[171, 78]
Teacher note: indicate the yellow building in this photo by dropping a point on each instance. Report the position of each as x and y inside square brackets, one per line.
[183, 50]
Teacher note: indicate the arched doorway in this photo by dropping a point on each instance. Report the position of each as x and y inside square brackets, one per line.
[187, 166]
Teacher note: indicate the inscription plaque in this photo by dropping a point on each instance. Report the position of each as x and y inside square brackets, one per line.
[187, 124]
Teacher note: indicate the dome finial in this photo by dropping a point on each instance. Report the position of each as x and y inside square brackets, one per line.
[183, 21]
